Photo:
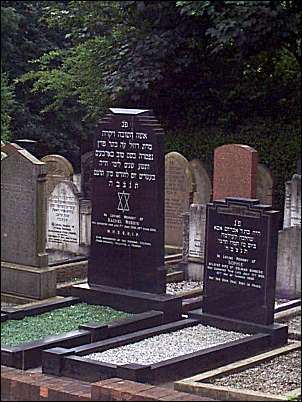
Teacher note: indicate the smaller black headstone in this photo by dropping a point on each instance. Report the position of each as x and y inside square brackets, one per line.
[241, 260]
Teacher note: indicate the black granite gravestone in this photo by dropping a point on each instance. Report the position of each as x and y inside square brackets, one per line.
[127, 230]
[241, 260]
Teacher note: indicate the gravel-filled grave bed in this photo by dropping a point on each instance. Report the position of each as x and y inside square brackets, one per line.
[294, 323]
[55, 322]
[167, 346]
[184, 286]
[277, 376]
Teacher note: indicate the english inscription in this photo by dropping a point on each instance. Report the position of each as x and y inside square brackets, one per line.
[127, 203]
[240, 260]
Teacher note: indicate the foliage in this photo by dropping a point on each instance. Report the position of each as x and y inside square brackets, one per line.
[213, 72]
[26, 37]
[7, 102]
[55, 322]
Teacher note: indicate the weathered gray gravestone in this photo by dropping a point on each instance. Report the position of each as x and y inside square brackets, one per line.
[23, 226]
[292, 202]
[265, 183]
[289, 245]
[23, 209]
[178, 196]
[63, 221]
[203, 185]
[288, 283]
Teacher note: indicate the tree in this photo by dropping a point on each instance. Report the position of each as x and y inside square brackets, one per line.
[7, 103]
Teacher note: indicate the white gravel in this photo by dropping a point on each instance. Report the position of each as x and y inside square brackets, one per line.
[167, 346]
[184, 286]
[278, 375]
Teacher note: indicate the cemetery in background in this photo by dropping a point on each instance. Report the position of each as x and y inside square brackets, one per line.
[150, 171]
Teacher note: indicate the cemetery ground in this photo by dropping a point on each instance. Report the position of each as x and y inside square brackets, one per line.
[195, 324]
[33, 384]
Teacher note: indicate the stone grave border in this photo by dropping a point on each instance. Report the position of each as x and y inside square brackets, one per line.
[70, 362]
[288, 305]
[198, 385]
[29, 354]
[287, 315]
[131, 301]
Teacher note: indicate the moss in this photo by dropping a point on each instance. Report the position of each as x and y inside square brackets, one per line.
[55, 322]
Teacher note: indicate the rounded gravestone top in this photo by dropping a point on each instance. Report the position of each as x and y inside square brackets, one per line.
[58, 166]
[202, 181]
[177, 159]
[178, 192]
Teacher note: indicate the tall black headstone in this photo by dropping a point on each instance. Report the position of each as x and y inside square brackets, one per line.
[127, 230]
[241, 260]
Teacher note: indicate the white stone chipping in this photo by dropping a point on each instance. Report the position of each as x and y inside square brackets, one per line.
[167, 346]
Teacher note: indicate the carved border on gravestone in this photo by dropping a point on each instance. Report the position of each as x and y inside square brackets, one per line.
[62, 234]
[58, 165]
[10, 147]
[241, 260]
[58, 169]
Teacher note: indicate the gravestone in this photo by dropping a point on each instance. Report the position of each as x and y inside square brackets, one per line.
[178, 196]
[264, 185]
[235, 171]
[289, 244]
[203, 189]
[240, 260]
[63, 222]
[127, 236]
[58, 169]
[87, 174]
[288, 283]
[292, 202]
[193, 242]
[10, 148]
[197, 223]
[23, 209]
[24, 261]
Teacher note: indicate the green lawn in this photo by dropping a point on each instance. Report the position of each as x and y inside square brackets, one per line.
[55, 322]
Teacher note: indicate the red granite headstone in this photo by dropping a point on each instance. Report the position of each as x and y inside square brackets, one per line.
[235, 171]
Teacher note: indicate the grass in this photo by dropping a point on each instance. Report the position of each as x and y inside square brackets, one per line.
[55, 322]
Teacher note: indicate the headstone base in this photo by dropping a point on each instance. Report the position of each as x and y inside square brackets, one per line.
[132, 301]
[27, 281]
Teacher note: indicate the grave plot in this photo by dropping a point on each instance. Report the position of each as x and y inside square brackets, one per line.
[69, 322]
[292, 318]
[271, 376]
[161, 354]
